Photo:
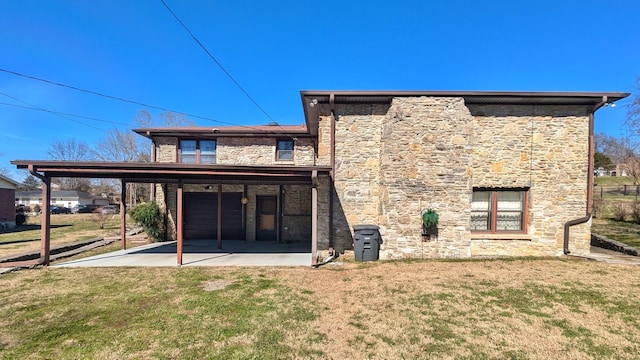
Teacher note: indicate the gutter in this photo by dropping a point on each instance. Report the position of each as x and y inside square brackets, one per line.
[332, 107]
[587, 217]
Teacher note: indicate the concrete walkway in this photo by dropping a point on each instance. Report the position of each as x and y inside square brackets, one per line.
[202, 253]
[610, 257]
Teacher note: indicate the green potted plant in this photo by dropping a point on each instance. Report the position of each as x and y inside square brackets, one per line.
[430, 222]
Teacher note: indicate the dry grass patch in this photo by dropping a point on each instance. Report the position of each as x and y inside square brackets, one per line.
[64, 229]
[518, 309]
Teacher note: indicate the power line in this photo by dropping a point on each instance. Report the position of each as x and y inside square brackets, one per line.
[216, 61]
[125, 100]
[61, 113]
[109, 96]
[52, 112]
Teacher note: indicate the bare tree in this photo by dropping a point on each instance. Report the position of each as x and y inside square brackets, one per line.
[3, 170]
[633, 115]
[611, 146]
[125, 146]
[631, 141]
[118, 146]
[70, 150]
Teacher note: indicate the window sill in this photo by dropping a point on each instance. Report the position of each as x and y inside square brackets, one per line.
[499, 236]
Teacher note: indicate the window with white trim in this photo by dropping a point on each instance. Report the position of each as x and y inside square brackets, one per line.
[499, 210]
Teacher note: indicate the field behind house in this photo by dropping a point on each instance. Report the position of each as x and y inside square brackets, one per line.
[490, 309]
[611, 192]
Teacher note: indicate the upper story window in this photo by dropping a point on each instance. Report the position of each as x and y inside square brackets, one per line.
[197, 151]
[499, 210]
[284, 150]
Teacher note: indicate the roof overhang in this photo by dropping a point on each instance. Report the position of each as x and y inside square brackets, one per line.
[204, 132]
[171, 172]
[312, 98]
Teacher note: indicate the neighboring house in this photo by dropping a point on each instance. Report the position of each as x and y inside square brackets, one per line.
[509, 174]
[7, 205]
[66, 198]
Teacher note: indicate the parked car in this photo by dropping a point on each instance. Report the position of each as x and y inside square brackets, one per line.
[82, 209]
[59, 210]
[109, 209]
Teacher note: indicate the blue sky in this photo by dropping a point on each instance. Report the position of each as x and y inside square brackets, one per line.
[136, 50]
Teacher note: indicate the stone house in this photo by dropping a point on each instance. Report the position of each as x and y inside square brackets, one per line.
[507, 172]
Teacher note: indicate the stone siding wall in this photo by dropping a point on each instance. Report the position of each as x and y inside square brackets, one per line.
[166, 149]
[426, 163]
[357, 169]
[545, 149]
[243, 151]
[425, 152]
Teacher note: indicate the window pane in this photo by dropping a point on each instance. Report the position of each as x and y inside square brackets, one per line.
[509, 200]
[188, 151]
[509, 212]
[285, 154]
[480, 221]
[207, 151]
[509, 221]
[481, 201]
[284, 150]
[285, 144]
[481, 211]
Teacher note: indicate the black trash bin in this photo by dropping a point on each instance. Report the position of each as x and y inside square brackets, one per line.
[366, 242]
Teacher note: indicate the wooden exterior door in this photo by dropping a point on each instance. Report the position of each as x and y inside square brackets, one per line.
[267, 218]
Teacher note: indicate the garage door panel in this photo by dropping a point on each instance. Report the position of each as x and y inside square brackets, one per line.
[201, 215]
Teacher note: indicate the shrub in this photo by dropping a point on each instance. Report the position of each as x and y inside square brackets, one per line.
[101, 219]
[149, 217]
[619, 211]
[36, 208]
[21, 214]
[635, 213]
[598, 207]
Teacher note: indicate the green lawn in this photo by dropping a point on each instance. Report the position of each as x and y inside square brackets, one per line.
[624, 231]
[500, 309]
[613, 180]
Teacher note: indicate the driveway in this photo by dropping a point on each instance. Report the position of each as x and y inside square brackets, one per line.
[202, 253]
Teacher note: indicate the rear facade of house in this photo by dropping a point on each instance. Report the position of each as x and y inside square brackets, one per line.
[508, 174]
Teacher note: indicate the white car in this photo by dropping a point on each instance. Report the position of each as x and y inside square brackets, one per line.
[110, 209]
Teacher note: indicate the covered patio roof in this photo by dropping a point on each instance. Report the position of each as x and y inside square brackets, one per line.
[170, 172]
[165, 173]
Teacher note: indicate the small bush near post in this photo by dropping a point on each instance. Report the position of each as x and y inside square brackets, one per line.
[635, 213]
[101, 219]
[619, 211]
[598, 207]
[149, 217]
[21, 214]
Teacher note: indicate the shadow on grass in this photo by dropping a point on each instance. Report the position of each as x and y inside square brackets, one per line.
[28, 227]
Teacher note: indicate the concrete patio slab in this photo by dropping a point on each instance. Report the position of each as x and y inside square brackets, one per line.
[202, 253]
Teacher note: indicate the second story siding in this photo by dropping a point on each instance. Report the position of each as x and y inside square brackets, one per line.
[242, 150]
